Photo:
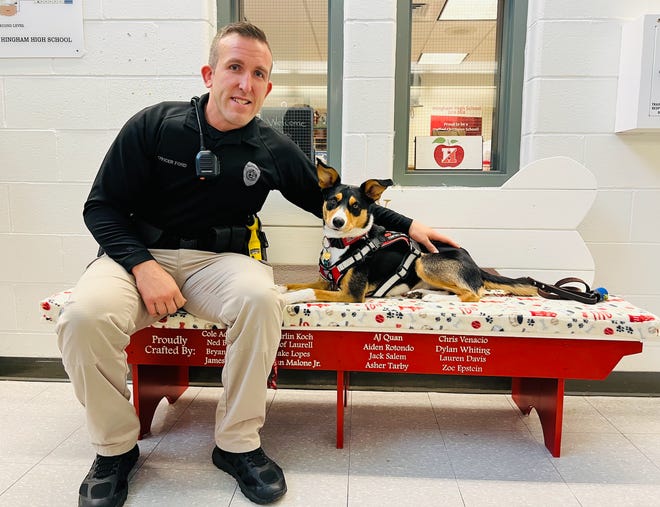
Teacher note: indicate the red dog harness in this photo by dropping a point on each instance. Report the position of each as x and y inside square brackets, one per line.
[335, 272]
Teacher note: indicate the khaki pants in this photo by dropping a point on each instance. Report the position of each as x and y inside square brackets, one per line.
[105, 308]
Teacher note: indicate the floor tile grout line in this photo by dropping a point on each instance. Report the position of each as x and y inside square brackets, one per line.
[30, 468]
[572, 492]
[171, 427]
[554, 460]
[40, 461]
[603, 415]
[444, 445]
[642, 452]
[166, 431]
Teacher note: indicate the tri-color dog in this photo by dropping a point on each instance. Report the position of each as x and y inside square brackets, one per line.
[360, 258]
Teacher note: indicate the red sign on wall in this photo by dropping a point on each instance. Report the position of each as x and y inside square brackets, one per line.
[456, 125]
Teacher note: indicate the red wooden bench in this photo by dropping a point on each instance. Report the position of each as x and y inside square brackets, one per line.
[538, 343]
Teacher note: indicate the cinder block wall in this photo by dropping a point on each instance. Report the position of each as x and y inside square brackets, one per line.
[368, 106]
[572, 67]
[57, 119]
[571, 74]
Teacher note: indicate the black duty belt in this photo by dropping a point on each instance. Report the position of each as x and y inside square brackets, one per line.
[219, 239]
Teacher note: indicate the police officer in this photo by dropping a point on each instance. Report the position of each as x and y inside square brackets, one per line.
[168, 208]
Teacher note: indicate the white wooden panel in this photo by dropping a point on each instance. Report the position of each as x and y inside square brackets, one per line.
[484, 208]
[550, 275]
[561, 173]
[555, 254]
[277, 211]
[293, 245]
[525, 228]
[553, 193]
[526, 249]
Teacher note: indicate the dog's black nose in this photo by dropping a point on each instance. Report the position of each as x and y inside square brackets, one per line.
[338, 222]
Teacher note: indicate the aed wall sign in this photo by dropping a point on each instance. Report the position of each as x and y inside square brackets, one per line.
[41, 28]
[638, 92]
[654, 102]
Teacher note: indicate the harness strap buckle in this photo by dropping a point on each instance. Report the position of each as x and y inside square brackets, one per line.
[357, 257]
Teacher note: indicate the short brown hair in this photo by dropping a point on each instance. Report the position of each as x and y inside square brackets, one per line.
[242, 28]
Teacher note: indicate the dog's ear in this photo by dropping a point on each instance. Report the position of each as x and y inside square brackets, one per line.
[328, 177]
[373, 189]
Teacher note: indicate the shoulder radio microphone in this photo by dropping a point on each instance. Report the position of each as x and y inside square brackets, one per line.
[207, 164]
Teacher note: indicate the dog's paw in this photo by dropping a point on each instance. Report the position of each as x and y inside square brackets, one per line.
[282, 289]
[414, 294]
[428, 294]
[299, 296]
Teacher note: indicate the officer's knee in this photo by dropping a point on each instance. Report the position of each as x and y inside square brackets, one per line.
[268, 298]
[88, 331]
[263, 303]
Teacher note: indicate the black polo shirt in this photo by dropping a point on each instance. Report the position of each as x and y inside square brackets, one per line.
[149, 173]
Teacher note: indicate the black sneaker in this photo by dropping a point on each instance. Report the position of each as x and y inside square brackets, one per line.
[106, 484]
[259, 477]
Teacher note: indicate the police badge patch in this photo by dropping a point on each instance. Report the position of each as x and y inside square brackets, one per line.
[251, 174]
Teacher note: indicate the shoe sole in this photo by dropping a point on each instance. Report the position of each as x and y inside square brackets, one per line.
[117, 500]
[120, 500]
[226, 467]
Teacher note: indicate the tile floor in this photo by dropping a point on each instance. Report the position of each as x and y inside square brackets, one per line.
[417, 449]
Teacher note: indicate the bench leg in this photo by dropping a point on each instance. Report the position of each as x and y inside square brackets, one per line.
[546, 395]
[341, 403]
[152, 383]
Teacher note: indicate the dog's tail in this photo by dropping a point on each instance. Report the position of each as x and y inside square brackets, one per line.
[516, 286]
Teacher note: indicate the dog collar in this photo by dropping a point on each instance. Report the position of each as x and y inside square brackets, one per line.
[340, 242]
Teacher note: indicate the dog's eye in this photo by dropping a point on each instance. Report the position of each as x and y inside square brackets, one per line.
[355, 206]
[331, 203]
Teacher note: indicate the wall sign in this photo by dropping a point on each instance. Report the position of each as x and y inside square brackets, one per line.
[448, 152]
[41, 28]
[456, 120]
[638, 91]
[654, 102]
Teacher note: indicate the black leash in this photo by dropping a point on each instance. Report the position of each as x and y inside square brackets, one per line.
[560, 290]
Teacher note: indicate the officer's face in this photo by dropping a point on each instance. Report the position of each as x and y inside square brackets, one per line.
[239, 83]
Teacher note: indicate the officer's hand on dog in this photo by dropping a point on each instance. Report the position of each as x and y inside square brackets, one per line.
[159, 291]
[424, 234]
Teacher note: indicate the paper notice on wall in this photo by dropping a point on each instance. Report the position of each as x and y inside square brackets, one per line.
[41, 28]
[456, 120]
[654, 102]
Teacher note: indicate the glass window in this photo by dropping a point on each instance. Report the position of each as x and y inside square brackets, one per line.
[459, 64]
[298, 36]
